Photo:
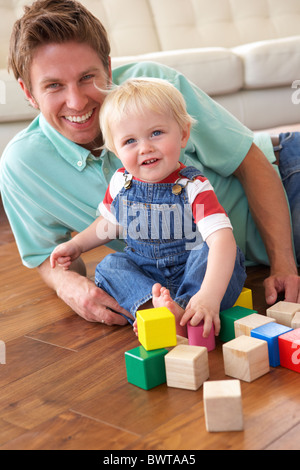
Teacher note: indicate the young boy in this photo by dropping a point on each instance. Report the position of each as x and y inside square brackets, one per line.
[180, 250]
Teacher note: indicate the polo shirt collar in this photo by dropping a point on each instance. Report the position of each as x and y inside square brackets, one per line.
[73, 153]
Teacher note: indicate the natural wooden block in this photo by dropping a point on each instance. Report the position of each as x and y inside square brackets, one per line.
[195, 336]
[179, 340]
[2, 353]
[243, 326]
[223, 407]
[187, 367]
[296, 321]
[270, 333]
[156, 328]
[289, 350]
[246, 358]
[245, 299]
[228, 317]
[145, 369]
[283, 312]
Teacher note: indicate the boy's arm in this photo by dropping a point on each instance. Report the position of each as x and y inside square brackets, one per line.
[220, 265]
[100, 232]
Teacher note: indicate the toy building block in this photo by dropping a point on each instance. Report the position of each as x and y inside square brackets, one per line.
[270, 333]
[296, 320]
[283, 312]
[156, 328]
[223, 408]
[243, 326]
[195, 336]
[245, 299]
[246, 358]
[179, 340]
[228, 317]
[187, 367]
[145, 369]
[2, 353]
[289, 350]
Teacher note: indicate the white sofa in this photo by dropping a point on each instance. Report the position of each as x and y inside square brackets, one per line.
[243, 53]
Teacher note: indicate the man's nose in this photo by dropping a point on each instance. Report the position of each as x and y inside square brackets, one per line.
[75, 99]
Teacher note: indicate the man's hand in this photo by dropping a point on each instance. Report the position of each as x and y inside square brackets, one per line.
[82, 295]
[289, 284]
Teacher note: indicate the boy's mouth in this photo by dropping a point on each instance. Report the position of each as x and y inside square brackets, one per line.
[148, 162]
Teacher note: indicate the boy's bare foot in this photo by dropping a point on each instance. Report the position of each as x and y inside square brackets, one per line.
[161, 298]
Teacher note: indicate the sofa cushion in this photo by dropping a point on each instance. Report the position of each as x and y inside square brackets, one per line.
[214, 70]
[13, 105]
[270, 63]
[142, 26]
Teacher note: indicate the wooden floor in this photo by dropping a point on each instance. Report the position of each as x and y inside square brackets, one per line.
[64, 383]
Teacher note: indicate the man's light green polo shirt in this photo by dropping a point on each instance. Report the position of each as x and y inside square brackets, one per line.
[50, 186]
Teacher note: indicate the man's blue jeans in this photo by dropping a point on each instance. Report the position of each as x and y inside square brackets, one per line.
[289, 167]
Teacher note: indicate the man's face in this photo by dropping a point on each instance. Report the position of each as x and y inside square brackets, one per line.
[63, 79]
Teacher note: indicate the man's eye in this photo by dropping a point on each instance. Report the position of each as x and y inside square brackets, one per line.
[53, 86]
[87, 77]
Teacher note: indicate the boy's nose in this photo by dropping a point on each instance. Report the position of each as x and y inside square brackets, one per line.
[145, 147]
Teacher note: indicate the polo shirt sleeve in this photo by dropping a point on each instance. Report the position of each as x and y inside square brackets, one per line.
[35, 231]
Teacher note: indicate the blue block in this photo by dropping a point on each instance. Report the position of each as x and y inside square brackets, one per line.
[270, 333]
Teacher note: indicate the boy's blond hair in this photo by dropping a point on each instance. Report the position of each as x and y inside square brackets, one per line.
[137, 95]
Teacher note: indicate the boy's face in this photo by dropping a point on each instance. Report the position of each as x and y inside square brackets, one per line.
[63, 78]
[149, 145]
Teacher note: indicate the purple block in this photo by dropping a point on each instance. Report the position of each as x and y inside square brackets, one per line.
[195, 336]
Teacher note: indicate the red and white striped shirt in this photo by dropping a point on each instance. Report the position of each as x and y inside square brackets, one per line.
[208, 213]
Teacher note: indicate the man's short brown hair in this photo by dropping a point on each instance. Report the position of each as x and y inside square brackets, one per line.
[54, 21]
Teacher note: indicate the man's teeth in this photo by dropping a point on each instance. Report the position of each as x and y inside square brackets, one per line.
[80, 119]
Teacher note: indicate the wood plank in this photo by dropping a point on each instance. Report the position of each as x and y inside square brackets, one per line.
[72, 332]
[71, 431]
[267, 417]
[42, 395]
[25, 356]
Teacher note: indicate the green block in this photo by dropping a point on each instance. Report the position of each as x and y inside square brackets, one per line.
[145, 369]
[228, 318]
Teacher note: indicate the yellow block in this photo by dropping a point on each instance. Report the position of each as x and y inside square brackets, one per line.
[156, 328]
[245, 299]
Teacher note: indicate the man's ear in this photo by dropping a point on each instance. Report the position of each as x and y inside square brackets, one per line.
[28, 94]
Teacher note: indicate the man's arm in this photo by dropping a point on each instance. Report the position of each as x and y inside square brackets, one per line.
[268, 206]
[81, 294]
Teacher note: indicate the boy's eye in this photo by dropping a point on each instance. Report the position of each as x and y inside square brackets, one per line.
[129, 141]
[156, 133]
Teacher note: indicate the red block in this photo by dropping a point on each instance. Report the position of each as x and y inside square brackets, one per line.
[289, 350]
[195, 336]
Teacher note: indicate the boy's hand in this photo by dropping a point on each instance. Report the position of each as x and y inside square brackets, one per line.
[198, 310]
[65, 254]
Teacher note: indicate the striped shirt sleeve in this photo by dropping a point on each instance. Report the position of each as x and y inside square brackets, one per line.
[114, 187]
[208, 213]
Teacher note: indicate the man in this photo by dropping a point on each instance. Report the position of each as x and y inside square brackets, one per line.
[54, 174]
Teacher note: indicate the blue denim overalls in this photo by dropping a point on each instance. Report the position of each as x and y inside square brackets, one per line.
[162, 245]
